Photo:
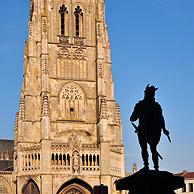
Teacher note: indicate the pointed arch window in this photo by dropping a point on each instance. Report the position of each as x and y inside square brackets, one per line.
[72, 102]
[64, 17]
[78, 21]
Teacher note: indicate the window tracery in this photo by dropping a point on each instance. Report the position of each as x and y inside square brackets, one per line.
[72, 101]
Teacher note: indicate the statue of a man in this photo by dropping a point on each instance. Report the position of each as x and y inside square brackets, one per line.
[151, 123]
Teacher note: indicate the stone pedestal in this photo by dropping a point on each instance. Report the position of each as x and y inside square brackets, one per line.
[150, 182]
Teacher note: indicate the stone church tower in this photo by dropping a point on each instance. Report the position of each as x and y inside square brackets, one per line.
[68, 131]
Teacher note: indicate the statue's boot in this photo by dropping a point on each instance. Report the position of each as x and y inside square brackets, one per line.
[145, 159]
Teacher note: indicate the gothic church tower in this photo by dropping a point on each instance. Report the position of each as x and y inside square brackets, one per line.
[68, 131]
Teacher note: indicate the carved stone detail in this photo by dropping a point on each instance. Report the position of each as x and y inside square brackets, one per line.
[76, 162]
[16, 122]
[45, 106]
[45, 66]
[118, 115]
[99, 29]
[44, 24]
[29, 147]
[64, 53]
[79, 54]
[100, 71]
[103, 109]
[22, 109]
[74, 142]
[79, 41]
[63, 40]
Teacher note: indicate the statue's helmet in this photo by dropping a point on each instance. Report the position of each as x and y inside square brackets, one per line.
[150, 90]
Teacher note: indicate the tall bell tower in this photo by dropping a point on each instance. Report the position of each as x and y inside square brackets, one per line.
[68, 131]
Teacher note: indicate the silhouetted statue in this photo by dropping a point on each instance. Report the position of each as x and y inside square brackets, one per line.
[151, 123]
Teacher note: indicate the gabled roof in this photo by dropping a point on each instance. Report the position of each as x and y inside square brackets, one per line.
[186, 174]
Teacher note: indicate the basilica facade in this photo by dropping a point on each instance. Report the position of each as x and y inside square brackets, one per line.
[68, 130]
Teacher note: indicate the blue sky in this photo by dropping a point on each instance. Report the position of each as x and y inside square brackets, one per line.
[152, 41]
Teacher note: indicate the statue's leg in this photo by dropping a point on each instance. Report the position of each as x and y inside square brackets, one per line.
[144, 151]
[153, 149]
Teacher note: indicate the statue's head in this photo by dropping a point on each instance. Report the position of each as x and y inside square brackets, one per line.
[150, 91]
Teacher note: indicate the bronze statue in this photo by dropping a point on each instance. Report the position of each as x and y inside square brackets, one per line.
[151, 123]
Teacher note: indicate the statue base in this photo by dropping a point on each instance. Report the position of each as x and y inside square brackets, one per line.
[150, 182]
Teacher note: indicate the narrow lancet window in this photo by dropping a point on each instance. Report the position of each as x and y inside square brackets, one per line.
[78, 21]
[63, 11]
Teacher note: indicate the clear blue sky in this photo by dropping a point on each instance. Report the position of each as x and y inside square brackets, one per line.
[152, 42]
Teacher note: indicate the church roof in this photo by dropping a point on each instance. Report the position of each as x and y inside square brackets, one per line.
[6, 155]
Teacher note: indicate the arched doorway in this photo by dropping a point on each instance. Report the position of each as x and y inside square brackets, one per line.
[75, 186]
[31, 188]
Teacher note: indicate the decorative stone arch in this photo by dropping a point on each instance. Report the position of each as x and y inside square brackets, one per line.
[72, 102]
[5, 187]
[75, 186]
[30, 187]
